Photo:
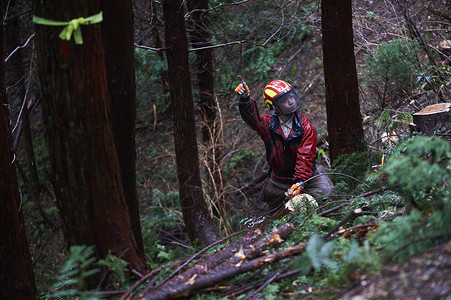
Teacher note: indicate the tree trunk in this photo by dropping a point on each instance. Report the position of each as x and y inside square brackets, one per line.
[120, 69]
[16, 268]
[195, 212]
[76, 109]
[200, 36]
[344, 122]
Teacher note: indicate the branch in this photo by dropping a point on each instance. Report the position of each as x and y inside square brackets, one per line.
[20, 47]
[214, 8]
[192, 49]
[352, 215]
[223, 264]
[202, 281]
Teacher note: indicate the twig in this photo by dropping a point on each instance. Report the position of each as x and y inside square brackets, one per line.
[253, 285]
[197, 255]
[141, 280]
[326, 212]
[267, 282]
[192, 49]
[214, 8]
[352, 215]
[20, 47]
[431, 237]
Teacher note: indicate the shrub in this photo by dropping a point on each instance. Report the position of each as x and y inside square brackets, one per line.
[391, 69]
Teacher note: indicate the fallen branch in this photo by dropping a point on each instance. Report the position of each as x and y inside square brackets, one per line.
[202, 281]
[241, 256]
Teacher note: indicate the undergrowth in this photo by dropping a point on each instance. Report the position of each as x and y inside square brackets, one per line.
[326, 265]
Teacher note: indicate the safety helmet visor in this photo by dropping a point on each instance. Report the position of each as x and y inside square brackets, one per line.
[287, 103]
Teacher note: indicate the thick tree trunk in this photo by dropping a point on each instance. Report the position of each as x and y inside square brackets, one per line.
[344, 122]
[76, 108]
[199, 37]
[16, 268]
[120, 68]
[195, 212]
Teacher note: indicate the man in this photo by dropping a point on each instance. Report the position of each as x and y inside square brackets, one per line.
[290, 142]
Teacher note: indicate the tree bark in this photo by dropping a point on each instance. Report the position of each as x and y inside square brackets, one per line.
[344, 122]
[76, 109]
[243, 255]
[199, 37]
[431, 118]
[120, 69]
[16, 268]
[198, 221]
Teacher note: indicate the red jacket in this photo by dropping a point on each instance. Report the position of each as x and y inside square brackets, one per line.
[291, 159]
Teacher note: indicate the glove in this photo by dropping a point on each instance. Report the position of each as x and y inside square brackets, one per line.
[242, 89]
[294, 190]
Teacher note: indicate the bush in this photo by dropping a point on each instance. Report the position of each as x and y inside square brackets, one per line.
[391, 70]
[418, 171]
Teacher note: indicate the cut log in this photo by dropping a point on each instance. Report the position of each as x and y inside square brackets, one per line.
[246, 254]
[432, 118]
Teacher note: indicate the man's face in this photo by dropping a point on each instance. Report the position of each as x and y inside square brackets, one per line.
[287, 104]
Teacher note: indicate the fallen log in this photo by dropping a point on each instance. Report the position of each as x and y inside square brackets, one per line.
[212, 278]
[248, 251]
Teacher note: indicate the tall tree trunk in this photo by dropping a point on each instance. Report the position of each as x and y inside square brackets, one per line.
[195, 212]
[344, 122]
[199, 37]
[120, 69]
[16, 268]
[155, 26]
[76, 108]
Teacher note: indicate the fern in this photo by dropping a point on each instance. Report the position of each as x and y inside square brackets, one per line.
[319, 252]
[74, 273]
[117, 266]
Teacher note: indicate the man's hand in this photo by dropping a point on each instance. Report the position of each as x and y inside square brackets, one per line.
[242, 89]
[294, 190]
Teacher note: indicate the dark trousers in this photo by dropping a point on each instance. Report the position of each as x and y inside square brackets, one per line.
[273, 192]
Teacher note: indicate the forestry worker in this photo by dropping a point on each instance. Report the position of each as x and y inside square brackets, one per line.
[290, 142]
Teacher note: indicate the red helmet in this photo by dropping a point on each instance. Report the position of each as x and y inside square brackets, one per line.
[282, 96]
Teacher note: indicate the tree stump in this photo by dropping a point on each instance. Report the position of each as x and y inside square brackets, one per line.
[432, 118]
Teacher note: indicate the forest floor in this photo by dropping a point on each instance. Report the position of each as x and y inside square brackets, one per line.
[423, 277]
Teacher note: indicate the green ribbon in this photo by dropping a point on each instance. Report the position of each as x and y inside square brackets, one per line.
[72, 27]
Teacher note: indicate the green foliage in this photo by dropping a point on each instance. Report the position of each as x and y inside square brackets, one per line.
[165, 214]
[419, 171]
[390, 123]
[74, 274]
[269, 29]
[117, 266]
[271, 292]
[391, 70]
[358, 165]
[435, 77]
[148, 73]
[352, 260]
[334, 262]
[319, 252]
[241, 160]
